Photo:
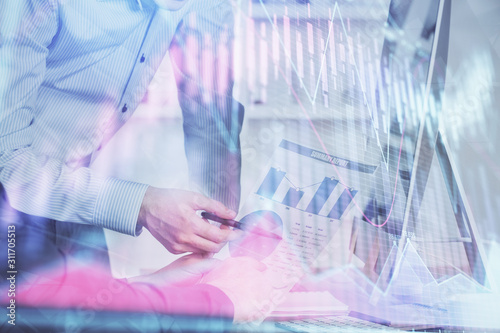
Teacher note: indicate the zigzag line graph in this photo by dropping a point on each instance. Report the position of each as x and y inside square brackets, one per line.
[396, 268]
[317, 133]
[312, 98]
[336, 169]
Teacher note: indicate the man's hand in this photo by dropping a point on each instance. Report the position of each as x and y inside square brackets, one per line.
[170, 216]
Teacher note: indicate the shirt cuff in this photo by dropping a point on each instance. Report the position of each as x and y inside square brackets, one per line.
[118, 205]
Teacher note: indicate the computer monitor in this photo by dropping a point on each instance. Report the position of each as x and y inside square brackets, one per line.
[437, 223]
[362, 160]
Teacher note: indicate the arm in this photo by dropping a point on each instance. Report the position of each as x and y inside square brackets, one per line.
[236, 288]
[43, 186]
[201, 55]
[93, 289]
[35, 184]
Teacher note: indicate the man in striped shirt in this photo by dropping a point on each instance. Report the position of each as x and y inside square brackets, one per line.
[71, 74]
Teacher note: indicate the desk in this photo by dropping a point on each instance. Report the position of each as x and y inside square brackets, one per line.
[52, 320]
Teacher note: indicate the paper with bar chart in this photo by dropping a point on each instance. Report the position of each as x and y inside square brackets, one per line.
[301, 206]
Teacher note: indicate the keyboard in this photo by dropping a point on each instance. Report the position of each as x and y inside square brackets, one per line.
[334, 323]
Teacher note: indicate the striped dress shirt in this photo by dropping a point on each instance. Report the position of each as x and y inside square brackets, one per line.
[72, 73]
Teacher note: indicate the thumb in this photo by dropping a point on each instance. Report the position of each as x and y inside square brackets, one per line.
[204, 266]
[213, 206]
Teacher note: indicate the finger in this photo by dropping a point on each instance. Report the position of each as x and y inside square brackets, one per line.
[185, 260]
[194, 262]
[207, 255]
[237, 233]
[204, 245]
[213, 206]
[213, 233]
[205, 266]
[260, 266]
[179, 248]
[193, 258]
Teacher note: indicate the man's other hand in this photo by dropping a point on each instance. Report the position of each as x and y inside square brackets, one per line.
[170, 216]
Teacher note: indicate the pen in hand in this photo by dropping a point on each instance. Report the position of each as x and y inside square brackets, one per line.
[239, 225]
[228, 222]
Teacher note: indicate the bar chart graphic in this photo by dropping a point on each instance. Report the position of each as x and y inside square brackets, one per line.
[320, 194]
[314, 195]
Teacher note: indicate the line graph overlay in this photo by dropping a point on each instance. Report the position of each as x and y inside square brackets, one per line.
[312, 99]
[323, 146]
[316, 133]
[299, 188]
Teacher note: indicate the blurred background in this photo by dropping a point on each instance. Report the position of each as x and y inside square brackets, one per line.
[149, 148]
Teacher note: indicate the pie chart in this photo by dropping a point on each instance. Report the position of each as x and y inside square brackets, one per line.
[264, 231]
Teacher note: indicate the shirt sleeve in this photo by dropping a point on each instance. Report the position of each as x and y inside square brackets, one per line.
[212, 118]
[91, 288]
[36, 184]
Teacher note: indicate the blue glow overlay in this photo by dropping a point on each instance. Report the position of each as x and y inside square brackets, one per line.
[355, 141]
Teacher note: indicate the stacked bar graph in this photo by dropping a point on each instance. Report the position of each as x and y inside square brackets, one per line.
[271, 183]
[276, 178]
[342, 203]
[292, 197]
[322, 194]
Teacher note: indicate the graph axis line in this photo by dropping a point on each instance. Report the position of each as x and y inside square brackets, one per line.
[313, 99]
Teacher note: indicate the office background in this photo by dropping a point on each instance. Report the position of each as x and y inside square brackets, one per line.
[149, 148]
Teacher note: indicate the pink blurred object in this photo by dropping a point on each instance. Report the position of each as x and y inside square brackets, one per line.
[265, 231]
[93, 288]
